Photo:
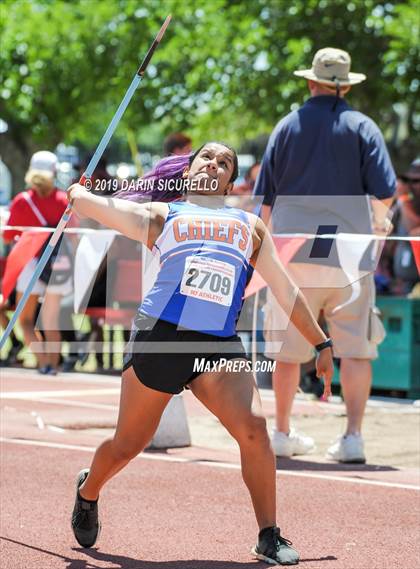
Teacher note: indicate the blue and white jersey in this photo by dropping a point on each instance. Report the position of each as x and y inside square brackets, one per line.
[204, 258]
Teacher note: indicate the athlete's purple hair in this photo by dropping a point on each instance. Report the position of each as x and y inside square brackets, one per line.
[149, 187]
[146, 188]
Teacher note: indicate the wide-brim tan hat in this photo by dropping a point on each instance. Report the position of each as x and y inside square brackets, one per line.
[331, 66]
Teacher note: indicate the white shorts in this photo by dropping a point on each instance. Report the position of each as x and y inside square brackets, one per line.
[350, 312]
[40, 287]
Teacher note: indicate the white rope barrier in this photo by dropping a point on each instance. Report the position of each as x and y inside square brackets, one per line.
[77, 230]
[347, 236]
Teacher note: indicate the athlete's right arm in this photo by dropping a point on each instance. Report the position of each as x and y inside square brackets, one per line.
[141, 222]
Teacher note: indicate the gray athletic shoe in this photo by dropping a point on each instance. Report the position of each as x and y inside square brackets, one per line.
[84, 521]
[275, 549]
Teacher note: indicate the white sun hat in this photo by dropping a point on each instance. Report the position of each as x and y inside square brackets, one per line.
[43, 162]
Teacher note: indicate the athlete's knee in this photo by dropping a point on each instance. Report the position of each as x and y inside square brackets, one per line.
[254, 431]
[126, 449]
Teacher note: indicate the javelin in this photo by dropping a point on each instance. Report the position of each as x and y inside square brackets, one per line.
[86, 176]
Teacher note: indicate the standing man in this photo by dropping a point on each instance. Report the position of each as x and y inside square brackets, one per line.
[326, 170]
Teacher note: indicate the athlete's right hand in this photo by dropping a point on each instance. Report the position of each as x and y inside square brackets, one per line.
[74, 191]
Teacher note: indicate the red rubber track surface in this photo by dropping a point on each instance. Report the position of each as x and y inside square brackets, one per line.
[195, 514]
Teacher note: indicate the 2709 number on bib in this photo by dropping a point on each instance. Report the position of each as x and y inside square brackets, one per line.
[208, 279]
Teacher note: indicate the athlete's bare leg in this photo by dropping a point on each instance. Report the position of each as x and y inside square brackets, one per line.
[234, 399]
[140, 411]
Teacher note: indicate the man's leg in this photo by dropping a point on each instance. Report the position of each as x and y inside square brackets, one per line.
[286, 441]
[356, 380]
[349, 323]
[286, 377]
[283, 340]
[356, 377]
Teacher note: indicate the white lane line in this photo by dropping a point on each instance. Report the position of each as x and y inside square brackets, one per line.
[41, 396]
[56, 429]
[225, 465]
[85, 378]
[31, 395]
[39, 420]
[70, 403]
[335, 402]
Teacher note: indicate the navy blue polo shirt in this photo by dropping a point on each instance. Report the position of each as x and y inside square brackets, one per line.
[320, 165]
[318, 151]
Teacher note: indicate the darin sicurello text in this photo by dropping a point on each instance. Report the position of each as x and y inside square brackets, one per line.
[172, 185]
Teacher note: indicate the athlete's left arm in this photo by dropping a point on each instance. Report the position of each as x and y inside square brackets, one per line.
[266, 261]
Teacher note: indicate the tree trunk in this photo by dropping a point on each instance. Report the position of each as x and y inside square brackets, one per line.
[16, 154]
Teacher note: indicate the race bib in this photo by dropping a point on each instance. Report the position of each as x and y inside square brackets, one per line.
[208, 279]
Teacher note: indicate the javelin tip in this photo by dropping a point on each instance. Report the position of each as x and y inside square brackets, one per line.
[163, 28]
[152, 48]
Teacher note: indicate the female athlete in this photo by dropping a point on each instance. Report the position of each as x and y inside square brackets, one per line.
[205, 249]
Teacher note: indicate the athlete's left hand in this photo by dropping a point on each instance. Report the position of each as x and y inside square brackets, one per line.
[325, 370]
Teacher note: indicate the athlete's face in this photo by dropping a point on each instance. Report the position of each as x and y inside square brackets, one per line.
[213, 168]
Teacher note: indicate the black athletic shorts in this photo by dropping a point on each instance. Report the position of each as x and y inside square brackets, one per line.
[169, 368]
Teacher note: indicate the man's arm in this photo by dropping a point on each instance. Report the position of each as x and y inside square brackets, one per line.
[381, 215]
[266, 215]
[265, 182]
[378, 175]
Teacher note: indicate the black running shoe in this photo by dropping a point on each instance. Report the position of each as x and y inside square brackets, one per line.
[275, 549]
[84, 520]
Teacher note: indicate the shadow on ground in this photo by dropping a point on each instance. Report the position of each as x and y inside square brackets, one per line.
[298, 464]
[123, 562]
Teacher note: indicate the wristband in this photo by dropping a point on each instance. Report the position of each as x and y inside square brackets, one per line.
[327, 344]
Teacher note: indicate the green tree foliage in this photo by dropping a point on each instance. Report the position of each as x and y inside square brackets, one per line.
[224, 68]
